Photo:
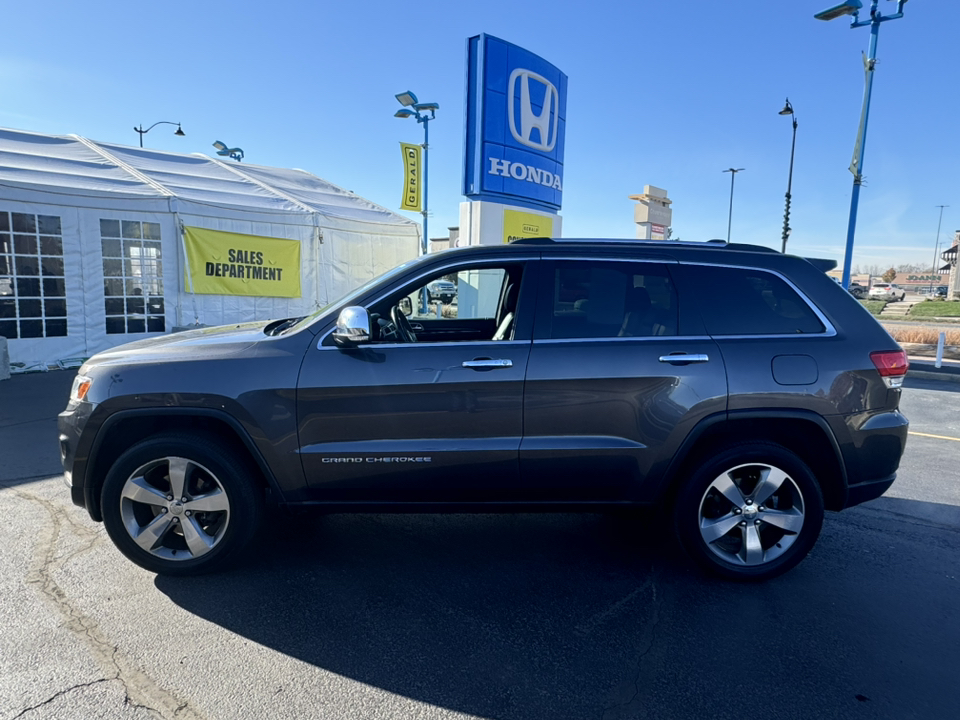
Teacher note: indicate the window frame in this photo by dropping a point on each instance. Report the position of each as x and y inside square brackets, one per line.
[688, 285]
[15, 259]
[526, 303]
[688, 325]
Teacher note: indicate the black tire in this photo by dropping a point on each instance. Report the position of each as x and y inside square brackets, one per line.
[702, 511]
[221, 515]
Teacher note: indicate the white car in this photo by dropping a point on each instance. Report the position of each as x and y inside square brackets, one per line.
[887, 291]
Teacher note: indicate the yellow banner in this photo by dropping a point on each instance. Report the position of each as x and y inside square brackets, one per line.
[223, 263]
[411, 177]
[518, 225]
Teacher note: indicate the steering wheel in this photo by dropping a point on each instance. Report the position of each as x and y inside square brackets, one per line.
[404, 330]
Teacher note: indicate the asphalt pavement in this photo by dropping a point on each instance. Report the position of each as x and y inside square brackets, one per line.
[494, 616]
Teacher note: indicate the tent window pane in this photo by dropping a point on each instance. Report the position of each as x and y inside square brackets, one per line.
[51, 245]
[56, 328]
[52, 265]
[48, 225]
[24, 223]
[28, 287]
[110, 228]
[26, 301]
[113, 306]
[55, 308]
[25, 244]
[132, 270]
[30, 308]
[131, 229]
[31, 328]
[111, 248]
[26, 266]
[54, 287]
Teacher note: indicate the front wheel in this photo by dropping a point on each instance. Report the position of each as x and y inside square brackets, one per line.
[751, 512]
[180, 505]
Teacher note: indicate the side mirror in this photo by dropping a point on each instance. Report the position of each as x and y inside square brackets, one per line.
[353, 327]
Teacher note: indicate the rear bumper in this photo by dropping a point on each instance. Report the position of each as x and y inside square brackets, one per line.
[872, 445]
[871, 490]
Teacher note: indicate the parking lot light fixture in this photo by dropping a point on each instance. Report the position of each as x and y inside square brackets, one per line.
[179, 131]
[788, 110]
[853, 7]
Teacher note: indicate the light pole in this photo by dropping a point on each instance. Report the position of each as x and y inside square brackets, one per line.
[143, 132]
[936, 248]
[852, 7]
[788, 110]
[419, 111]
[733, 173]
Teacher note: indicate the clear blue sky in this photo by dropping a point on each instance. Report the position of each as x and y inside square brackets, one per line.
[667, 94]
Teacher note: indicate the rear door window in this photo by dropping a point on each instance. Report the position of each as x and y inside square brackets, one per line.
[745, 301]
[609, 299]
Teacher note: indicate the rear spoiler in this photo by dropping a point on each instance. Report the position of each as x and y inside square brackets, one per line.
[822, 264]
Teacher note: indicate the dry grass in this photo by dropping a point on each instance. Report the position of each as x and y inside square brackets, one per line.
[926, 336]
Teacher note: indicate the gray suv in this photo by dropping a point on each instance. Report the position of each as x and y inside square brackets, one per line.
[739, 389]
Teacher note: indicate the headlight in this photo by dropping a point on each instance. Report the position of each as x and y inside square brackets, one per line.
[81, 386]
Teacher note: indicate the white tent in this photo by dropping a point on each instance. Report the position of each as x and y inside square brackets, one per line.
[92, 249]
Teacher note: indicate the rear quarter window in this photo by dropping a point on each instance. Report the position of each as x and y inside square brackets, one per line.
[742, 301]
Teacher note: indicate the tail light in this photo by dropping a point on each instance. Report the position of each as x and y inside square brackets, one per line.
[892, 366]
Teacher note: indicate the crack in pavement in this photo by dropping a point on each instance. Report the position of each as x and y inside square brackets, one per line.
[58, 694]
[622, 710]
[140, 690]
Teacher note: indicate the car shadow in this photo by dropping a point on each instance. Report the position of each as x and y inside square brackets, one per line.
[577, 615]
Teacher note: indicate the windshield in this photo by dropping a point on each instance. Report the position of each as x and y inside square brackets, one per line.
[350, 297]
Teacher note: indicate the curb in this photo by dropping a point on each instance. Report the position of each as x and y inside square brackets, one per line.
[932, 375]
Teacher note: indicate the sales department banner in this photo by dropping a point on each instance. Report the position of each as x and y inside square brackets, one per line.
[224, 263]
[411, 177]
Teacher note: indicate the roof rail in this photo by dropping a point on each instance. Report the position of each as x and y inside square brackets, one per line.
[713, 244]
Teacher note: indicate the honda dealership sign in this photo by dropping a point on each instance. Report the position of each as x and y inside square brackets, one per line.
[516, 116]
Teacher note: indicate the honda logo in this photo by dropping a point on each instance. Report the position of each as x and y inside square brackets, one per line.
[545, 123]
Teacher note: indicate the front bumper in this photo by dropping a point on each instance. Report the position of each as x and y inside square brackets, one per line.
[70, 425]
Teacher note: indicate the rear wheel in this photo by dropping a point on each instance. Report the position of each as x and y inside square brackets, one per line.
[180, 505]
[750, 513]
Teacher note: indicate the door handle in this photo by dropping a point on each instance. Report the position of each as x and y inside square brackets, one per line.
[416, 327]
[683, 359]
[487, 363]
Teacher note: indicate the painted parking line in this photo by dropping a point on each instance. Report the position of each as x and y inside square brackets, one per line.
[938, 437]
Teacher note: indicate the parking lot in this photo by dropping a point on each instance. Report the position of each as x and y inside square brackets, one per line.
[492, 616]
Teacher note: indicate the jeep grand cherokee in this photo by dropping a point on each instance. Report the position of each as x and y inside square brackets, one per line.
[741, 389]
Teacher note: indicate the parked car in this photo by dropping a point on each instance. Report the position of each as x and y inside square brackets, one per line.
[940, 291]
[887, 291]
[737, 389]
[857, 290]
[442, 290]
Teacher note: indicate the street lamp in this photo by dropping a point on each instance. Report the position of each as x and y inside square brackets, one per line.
[936, 248]
[788, 110]
[852, 7]
[143, 132]
[733, 173]
[419, 111]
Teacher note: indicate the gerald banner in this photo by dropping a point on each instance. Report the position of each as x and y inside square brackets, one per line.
[411, 177]
[517, 224]
[223, 263]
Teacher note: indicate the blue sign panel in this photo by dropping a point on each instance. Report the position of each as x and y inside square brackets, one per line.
[516, 118]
